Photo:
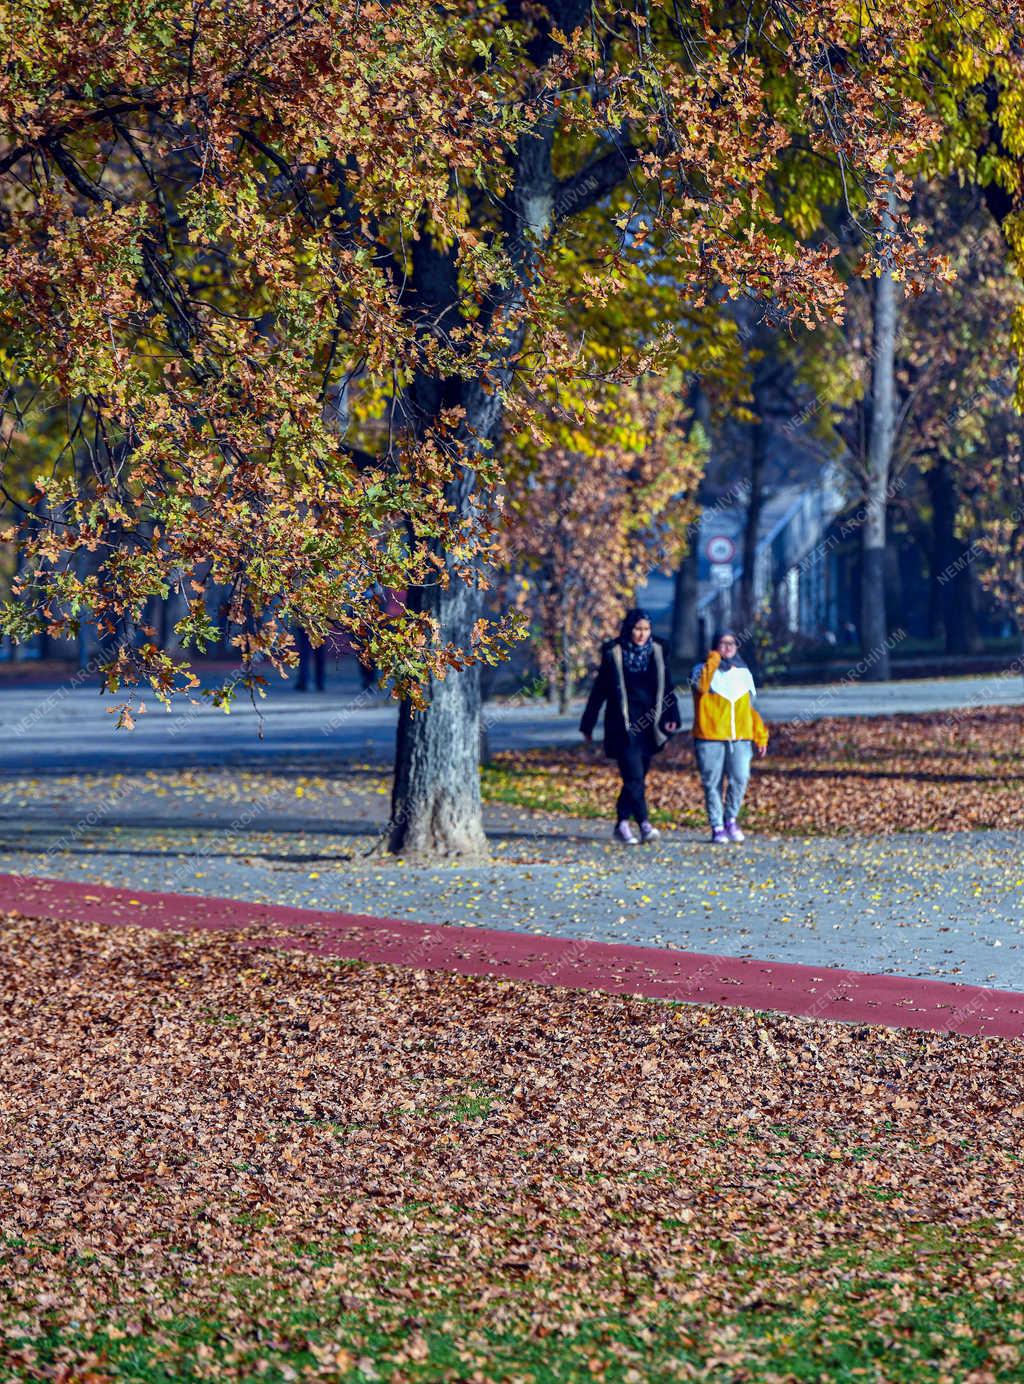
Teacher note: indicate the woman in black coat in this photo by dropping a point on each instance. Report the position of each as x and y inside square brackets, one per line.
[641, 712]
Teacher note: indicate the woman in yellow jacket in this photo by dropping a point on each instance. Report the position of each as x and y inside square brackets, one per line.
[726, 732]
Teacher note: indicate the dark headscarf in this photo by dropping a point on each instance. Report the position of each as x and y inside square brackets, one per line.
[737, 660]
[635, 656]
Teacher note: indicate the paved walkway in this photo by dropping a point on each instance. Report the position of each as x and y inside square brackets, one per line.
[941, 906]
[193, 803]
[67, 726]
[817, 992]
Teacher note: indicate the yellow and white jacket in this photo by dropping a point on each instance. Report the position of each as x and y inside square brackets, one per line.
[723, 703]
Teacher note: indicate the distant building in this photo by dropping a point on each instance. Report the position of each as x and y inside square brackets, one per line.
[797, 573]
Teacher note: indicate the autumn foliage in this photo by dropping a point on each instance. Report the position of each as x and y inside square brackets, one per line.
[270, 278]
[589, 513]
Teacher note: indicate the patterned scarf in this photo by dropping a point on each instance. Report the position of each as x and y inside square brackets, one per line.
[636, 657]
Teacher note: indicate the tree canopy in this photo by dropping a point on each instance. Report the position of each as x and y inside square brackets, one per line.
[254, 256]
[275, 277]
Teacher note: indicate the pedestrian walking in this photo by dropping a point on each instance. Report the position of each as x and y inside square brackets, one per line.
[634, 687]
[727, 732]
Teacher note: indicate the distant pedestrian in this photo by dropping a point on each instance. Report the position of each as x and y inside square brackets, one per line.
[634, 686]
[727, 732]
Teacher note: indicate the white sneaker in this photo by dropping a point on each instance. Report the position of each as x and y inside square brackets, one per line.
[648, 833]
[624, 833]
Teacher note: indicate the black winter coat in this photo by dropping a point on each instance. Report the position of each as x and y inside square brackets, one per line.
[635, 704]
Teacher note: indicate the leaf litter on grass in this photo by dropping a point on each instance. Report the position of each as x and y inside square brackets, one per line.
[379, 1173]
[839, 775]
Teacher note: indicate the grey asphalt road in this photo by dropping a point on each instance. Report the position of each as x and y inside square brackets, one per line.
[68, 727]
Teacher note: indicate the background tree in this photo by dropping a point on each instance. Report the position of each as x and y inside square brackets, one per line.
[957, 373]
[606, 499]
[885, 305]
[1000, 511]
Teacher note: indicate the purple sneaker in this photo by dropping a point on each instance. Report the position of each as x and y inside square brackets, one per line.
[648, 833]
[732, 831]
[624, 833]
[719, 836]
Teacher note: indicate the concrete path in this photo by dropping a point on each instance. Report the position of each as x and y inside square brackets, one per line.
[70, 727]
[944, 906]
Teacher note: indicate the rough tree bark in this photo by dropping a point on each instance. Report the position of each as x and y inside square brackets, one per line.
[436, 805]
[436, 809]
[874, 632]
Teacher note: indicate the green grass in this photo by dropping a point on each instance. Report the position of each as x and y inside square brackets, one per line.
[519, 787]
[848, 1317]
[828, 1340]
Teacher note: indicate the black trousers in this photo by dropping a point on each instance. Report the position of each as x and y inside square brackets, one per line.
[633, 764]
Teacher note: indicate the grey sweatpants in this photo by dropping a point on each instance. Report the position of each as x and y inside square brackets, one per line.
[717, 760]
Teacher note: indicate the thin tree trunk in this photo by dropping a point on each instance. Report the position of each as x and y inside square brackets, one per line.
[874, 630]
[89, 643]
[943, 559]
[953, 585]
[19, 563]
[972, 638]
[752, 520]
[45, 640]
[488, 678]
[684, 638]
[565, 675]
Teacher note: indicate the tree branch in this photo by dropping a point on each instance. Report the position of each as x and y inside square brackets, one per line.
[600, 177]
[79, 180]
[70, 127]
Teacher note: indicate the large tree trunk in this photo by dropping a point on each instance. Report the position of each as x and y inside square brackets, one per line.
[436, 800]
[874, 631]
[436, 807]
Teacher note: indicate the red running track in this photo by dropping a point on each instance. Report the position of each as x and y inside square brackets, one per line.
[815, 991]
